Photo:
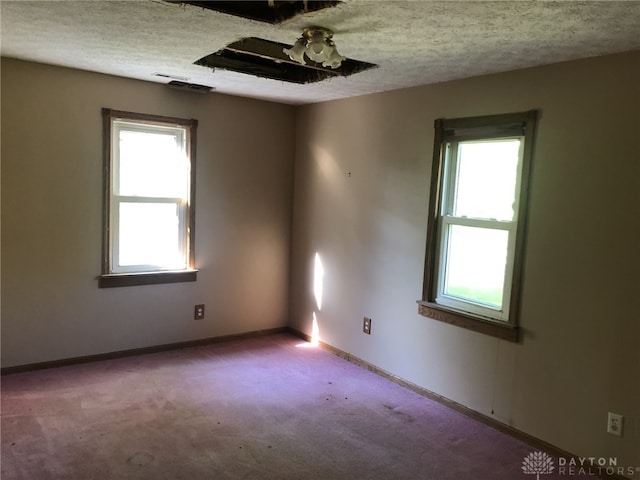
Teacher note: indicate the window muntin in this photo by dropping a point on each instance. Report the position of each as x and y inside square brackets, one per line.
[476, 220]
[149, 194]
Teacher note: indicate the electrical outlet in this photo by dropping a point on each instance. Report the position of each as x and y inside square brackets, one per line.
[614, 424]
[366, 325]
[198, 312]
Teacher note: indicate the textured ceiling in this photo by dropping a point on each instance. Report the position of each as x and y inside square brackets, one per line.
[413, 42]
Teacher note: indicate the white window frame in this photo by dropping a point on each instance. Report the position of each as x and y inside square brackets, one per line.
[113, 273]
[436, 303]
[447, 219]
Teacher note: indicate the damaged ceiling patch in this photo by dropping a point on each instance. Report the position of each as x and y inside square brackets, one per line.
[269, 11]
[264, 58]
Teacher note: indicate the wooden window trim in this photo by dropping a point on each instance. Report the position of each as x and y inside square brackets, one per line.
[477, 127]
[468, 321]
[107, 279]
[146, 278]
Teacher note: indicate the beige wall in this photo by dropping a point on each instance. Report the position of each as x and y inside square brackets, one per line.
[52, 210]
[360, 198]
[361, 187]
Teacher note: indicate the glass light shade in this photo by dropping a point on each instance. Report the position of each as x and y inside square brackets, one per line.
[316, 48]
[334, 60]
[296, 53]
[317, 42]
[319, 52]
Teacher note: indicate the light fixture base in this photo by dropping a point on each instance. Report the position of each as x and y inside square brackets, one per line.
[310, 32]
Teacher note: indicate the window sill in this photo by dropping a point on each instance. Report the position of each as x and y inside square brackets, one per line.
[146, 278]
[477, 324]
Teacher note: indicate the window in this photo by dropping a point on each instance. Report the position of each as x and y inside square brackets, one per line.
[476, 221]
[149, 199]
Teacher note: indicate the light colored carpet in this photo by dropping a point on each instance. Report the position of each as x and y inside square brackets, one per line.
[259, 408]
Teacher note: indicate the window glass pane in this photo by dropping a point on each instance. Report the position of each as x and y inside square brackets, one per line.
[152, 165]
[475, 264]
[486, 179]
[149, 234]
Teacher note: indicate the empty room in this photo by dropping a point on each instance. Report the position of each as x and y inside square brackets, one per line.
[320, 240]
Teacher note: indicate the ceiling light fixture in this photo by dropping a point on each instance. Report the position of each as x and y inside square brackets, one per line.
[317, 45]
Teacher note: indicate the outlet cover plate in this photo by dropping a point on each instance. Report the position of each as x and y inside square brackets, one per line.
[366, 325]
[614, 424]
[198, 312]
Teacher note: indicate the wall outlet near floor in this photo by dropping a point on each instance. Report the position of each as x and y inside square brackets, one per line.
[198, 312]
[366, 325]
[614, 424]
